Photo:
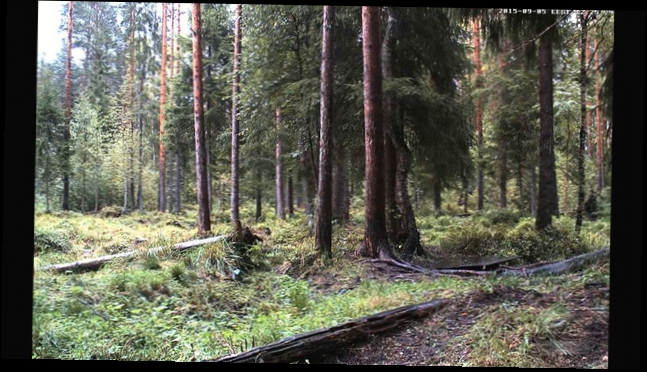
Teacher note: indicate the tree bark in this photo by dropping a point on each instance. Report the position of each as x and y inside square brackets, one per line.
[162, 156]
[259, 198]
[280, 211]
[581, 151]
[479, 110]
[313, 344]
[437, 195]
[547, 182]
[204, 222]
[598, 123]
[68, 111]
[503, 175]
[290, 196]
[178, 181]
[323, 223]
[588, 113]
[375, 239]
[235, 215]
[533, 191]
[131, 144]
[390, 162]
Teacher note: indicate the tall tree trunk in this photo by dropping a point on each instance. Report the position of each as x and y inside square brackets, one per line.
[323, 223]
[131, 142]
[259, 197]
[47, 184]
[235, 216]
[140, 190]
[375, 239]
[588, 112]
[390, 162]
[171, 193]
[503, 175]
[339, 186]
[162, 156]
[290, 196]
[520, 184]
[178, 181]
[547, 182]
[437, 195]
[280, 212]
[68, 111]
[207, 131]
[479, 110]
[177, 45]
[204, 222]
[581, 151]
[598, 123]
[467, 194]
[533, 191]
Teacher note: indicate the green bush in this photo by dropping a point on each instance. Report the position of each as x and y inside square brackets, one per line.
[473, 238]
[48, 240]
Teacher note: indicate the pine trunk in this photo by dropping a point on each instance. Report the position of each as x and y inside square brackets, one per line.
[581, 150]
[588, 113]
[547, 192]
[479, 110]
[235, 216]
[390, 162]
[290, 196]
[503, 175]
[131, 142]
[323, 223]
[162, 156]
[68, 111]
[437, 196]
[178, 181]
[375, 239]
[280, 212]
[204, 223]
[598, 124]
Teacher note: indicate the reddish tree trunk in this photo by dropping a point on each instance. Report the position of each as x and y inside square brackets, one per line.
[204, 223]
[598, 123]
[177, 45]
[479, 110]
[323, 223]
[280, 211]
[375, 239]
[588, 113]
[162, 157]
[581, 151]
[68, 111]
[235, 216]
[547, 192]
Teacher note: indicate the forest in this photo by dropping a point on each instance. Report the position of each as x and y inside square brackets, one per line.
[324, 184]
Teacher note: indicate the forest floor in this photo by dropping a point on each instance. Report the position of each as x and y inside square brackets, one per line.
[184, 306]
[502, 326]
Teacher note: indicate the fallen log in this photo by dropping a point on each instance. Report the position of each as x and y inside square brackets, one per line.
[559, 267]
[542, 268]
[316, 342]
[92, 263]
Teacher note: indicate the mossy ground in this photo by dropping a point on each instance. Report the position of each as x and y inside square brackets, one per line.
[196, 305]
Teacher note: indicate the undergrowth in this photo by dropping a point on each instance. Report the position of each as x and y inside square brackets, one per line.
[213, 300]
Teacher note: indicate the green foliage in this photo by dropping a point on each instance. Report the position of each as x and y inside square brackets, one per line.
[472, 238]
[48, 239]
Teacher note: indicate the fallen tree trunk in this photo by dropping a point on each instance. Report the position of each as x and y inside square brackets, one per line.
[542, 268]
[92, 263]
[559, 267]
[314, 343]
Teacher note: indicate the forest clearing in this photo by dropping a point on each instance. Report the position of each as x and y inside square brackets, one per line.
[324, 184]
